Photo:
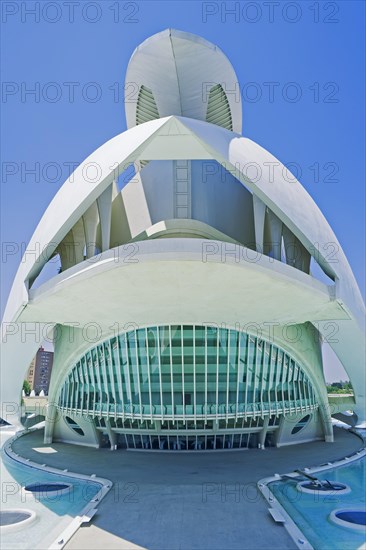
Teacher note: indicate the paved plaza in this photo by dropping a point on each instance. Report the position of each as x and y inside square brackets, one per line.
[172, 500]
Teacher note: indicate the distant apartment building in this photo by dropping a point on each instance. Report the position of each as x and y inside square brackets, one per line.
[39, 372]
[30, 373]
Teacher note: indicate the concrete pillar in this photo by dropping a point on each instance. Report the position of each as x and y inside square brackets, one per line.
[90, 219]
[263, 433]
[51, 419]
[278, 432]
[104, 203]
[111, 434]
[296, 253]
[95, 432]
[259, 209]
[325, 415]
[275, 235]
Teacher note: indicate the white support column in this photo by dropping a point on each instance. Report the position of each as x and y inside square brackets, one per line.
[90, 220]
[82, 389]
[97, 368]
[283, 376]
[96, 433]
[78, 242]
[325, 415]
[71, 248]
[87, 382]
[66, 251]
[138, 372]
[275, 235]
[255, 377]
[126, 367]
[271, 383]
[148, 372]
[104, 203]
[259, 209]
[74, 389]
[69, 394]
[247, 375]
[182, 362]
[278, 372]
[296, 253]
[227, 373]
[51, 419]
[262, 372]
[104, 369]
[263, 433]
[206, 375]
[111, 434]
[238, 375]
[295, 380]
[160, 382]
[194, 375]
[92, 372]
[111, 371]
[217, 366]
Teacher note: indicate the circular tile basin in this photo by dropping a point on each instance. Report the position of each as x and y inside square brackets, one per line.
[352, 518]
[324, 488]
[47, 490]
[15, 519]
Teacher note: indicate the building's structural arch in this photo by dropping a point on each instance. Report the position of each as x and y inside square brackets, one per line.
[185, 138]
[81, 214]
[283, 194]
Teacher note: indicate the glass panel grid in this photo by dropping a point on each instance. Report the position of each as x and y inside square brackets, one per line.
[188, 373]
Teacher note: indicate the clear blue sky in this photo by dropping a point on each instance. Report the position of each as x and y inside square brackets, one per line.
[312, 50]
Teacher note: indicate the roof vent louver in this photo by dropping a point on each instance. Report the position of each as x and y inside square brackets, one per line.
[146, 108]
[218, 108]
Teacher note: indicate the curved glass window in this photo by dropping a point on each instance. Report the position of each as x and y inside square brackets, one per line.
[184, 371]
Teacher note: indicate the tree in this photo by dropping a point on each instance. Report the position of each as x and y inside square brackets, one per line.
[26, 387]
[348, 386]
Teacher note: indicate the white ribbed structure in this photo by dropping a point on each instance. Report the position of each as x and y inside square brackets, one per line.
[193, 244]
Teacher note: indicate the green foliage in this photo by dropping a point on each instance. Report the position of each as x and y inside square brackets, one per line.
[340, 387]
[26, 387]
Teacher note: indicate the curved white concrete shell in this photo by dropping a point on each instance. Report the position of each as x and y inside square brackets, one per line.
[180, 69]
[212, 230]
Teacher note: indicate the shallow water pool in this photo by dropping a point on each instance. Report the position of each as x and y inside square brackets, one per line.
[311, 512]
[54, 512]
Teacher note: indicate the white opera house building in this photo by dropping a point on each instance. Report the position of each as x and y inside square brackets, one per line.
[192, 303]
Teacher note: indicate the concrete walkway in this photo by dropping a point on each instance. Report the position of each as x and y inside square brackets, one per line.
[183, 500]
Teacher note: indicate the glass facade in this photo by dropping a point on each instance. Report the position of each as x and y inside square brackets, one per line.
[187, 374]
[189, 435]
